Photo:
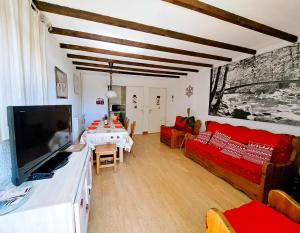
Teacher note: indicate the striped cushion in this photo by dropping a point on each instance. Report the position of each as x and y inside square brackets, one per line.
[203, 137]
[258, 153]
[234, 149]
[219, 140]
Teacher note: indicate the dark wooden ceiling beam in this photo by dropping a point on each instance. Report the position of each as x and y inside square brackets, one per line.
[124, 72]
[215, 12]
[127, 68]
[131, 55]
[108, 39]
[100, 59]
[86, 15]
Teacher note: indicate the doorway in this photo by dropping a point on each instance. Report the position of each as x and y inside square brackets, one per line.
[135, 106]
[157, 109]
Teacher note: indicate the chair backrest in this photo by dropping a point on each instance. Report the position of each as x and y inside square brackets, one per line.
[217, 223]
[126, 122]
[283, 203]
[132, 129]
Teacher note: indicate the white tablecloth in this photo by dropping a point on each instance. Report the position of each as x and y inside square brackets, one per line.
[102, 136]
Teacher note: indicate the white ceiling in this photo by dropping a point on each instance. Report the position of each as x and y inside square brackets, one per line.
[280, 14]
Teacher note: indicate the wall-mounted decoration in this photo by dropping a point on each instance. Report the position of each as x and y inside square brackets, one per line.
[77, 84]
[61, 84]
[261, 88]
[134, 101]
[100, 101]
[158, 102]
[189, 91]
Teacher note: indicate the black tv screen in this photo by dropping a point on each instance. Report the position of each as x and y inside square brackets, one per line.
[36, 133]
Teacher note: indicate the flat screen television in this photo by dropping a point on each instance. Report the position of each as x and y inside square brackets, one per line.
[36, 134]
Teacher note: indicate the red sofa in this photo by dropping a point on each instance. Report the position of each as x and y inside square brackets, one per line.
[173, 136]
[256, 180]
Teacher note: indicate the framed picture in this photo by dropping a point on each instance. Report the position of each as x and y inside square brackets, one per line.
[61, 84]
[77, 84]
[265, 87]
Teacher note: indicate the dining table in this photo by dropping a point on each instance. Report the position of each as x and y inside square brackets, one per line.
[113, 132]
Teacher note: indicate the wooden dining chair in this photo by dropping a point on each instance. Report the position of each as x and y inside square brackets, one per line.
[132, 135]
[132, 130]
[106, 153]
[126, 122]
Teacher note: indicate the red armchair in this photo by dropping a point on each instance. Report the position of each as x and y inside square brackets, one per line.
[282, 214]
[174, 136]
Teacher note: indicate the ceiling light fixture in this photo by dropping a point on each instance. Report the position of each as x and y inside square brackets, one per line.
[110, 93]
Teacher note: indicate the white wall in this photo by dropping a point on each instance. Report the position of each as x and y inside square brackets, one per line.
[197, 102]
[57, 57]
[95, 86]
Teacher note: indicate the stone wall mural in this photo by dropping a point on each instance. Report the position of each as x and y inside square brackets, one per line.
[261, 88]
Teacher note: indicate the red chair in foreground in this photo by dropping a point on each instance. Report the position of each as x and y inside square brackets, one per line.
[281, 215]
[174, 136]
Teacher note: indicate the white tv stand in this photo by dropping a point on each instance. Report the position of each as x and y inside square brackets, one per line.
[60, 204]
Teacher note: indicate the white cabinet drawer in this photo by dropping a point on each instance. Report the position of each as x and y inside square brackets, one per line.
[82, 201]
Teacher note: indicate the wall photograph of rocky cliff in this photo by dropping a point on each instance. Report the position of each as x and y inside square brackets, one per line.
[265, 88]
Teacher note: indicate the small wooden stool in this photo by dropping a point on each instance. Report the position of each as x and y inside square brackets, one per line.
[108, 149]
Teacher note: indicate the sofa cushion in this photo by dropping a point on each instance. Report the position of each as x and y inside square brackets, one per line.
[241, 167]
[232, 131]
[244, 135]
[259, 218]
[283, 150]
[248, 170]
[234, 149]
[181, 125]
[258, 153]
[219, 140]
[166, 132]
[203, 137]
[198, 149]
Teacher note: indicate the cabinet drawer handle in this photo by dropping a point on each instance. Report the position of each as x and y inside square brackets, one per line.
[81, 202]
[87, 207]
[89, 191]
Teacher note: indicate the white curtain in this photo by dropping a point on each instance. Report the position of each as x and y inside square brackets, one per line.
[23, 79]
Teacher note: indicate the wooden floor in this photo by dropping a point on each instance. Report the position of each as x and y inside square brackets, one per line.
[159, 190]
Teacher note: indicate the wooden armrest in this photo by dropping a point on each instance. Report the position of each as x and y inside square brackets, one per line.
[217, 222]
[267, 167]
[177, 132]
[284, 204]
[189, 136]
[295, 156]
